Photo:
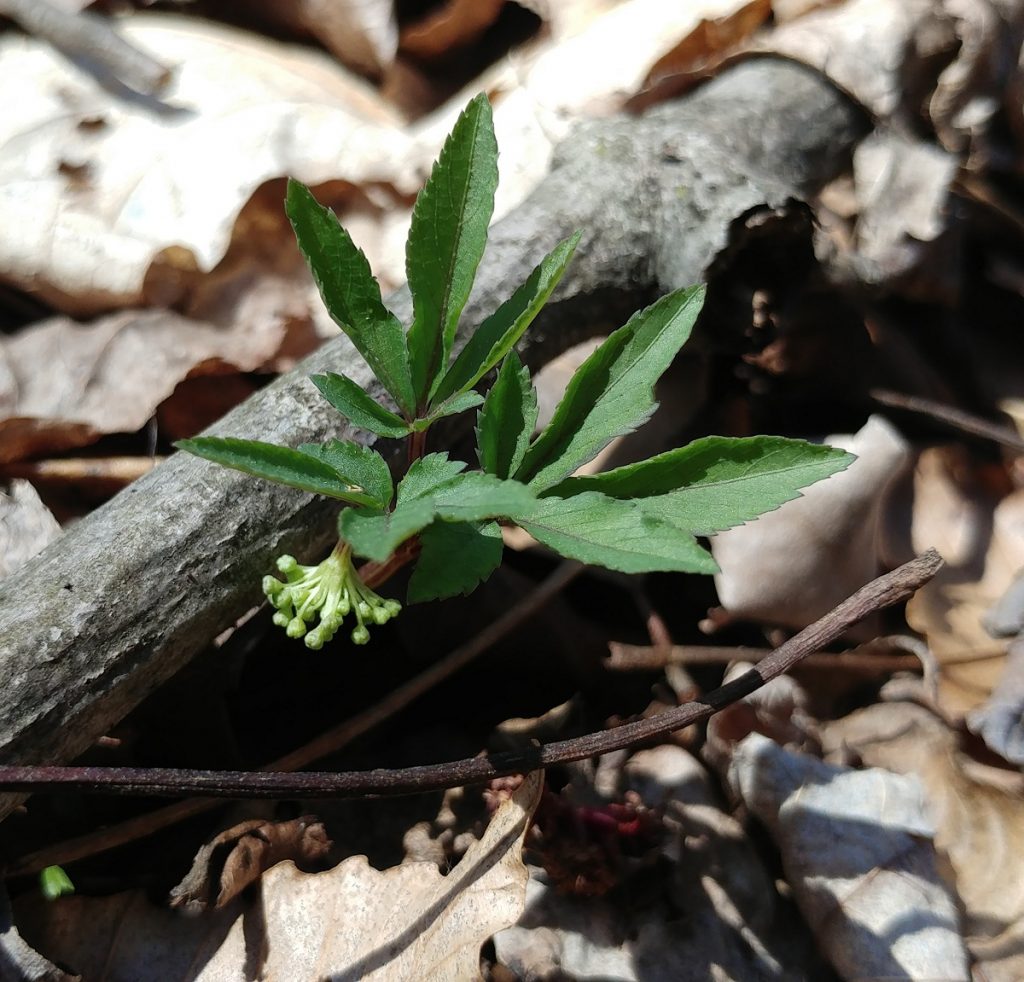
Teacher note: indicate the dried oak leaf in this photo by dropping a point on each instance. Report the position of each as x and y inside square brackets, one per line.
[26, 525]
[857, 850]
[111, 375]
[979, 822]
[701, 905]
[95, 190]
[239, 856]
[981, 538]
[351, 922]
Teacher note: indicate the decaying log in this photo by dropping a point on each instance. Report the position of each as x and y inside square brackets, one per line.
[122, 601]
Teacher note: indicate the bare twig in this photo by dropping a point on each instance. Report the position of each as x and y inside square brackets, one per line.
[951, 417]
[86, 36]
[646, 658]
[880, 593]
[113, 836]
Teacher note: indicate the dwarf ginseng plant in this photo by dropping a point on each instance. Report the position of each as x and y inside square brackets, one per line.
[637, 519]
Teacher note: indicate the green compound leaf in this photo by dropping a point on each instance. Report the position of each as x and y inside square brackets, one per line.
[375, 536]
[497, 335]
[458, 403]
[446, 240]
[280, 464]
[433, 492]
[359, 464]
[617, 534]
[505, 424]
[428, 474]
[350, 293]
[358, 407]
[455, 558]
[717, 482]
[612, 392]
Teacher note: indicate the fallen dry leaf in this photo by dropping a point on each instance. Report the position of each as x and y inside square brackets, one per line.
[981, 539]
[702, 905]
[856, 847]
[239, 856]
[793, 565]
[1000, 721]
[351, 922]
[979, 823]
[362, 33]
[452, 24]
[876, 50]
[984, 78]
[18, 961]
[901, 188]
[111, 375]
[701, 53]
[94, 190]
[26, 525]
[594, 57]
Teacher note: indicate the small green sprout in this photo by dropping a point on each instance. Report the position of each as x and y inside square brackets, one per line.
[54, 882]
[330, 592]
[446, 517]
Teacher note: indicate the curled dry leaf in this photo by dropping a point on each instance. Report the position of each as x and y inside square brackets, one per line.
[362, 33]
[94, 190]
[353, 922]
[984, 78]
[877, 50]
[901, 188]
[18, 961]
[856, 847]
[239, 856]
[981, 537]
[452, 24]
[979, 822]
[1000, 721]
[793, 565]
[26, 525]
[594, 58]
[111, 375]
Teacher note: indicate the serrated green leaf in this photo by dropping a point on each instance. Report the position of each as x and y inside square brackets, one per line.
[614, 533]
[476, 496]
[458, 403]
[433, 493]
[375, 536]
[498, 334]
[454, 559]
[505, 424]
[273, 463]
[717, 482]
[612, 392]
[446, 240]
[428, 474]
[358, 407]
[358, 464]
[350, 293]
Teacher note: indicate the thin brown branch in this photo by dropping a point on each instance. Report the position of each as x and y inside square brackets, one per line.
[951, 417]
[113, 836]
[880, 593]
[647, 658]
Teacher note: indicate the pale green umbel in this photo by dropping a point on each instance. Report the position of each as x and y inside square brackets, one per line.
[328, 592]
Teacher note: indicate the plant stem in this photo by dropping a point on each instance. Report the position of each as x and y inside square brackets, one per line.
[880, 593]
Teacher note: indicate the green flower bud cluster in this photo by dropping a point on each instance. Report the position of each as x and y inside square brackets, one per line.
[330, 591]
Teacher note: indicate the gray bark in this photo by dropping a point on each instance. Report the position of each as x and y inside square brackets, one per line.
[122, 601]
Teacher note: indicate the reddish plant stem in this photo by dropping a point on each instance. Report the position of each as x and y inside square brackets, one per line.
[880, 593]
